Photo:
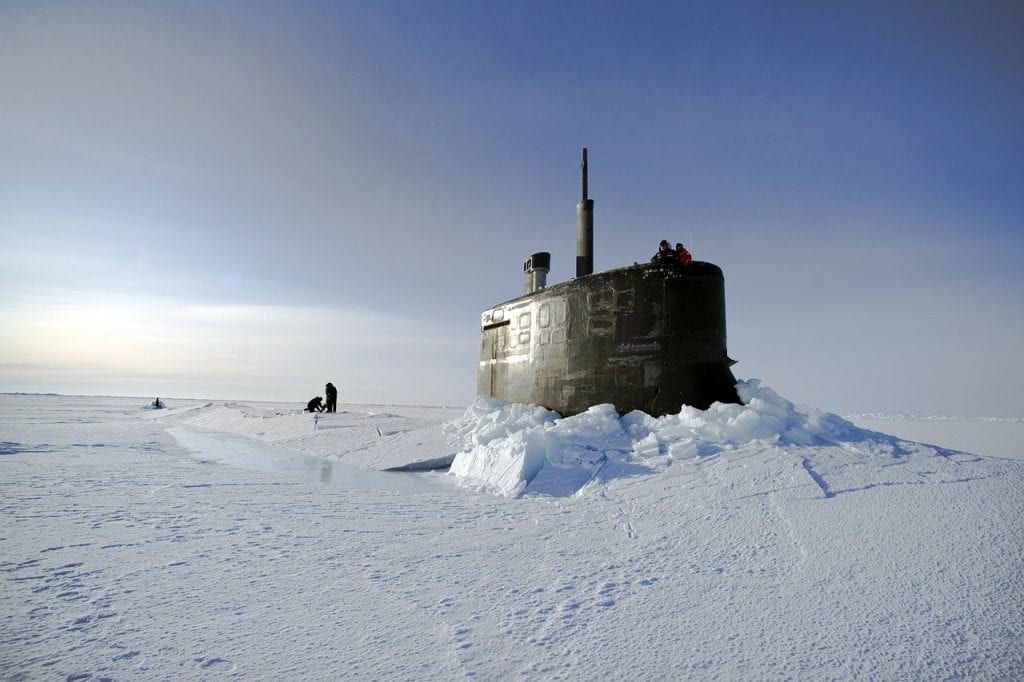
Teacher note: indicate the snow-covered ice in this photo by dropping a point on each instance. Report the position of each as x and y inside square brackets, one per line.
[770, 540]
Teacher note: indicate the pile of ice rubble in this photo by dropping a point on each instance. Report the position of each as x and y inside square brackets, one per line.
[512, 449]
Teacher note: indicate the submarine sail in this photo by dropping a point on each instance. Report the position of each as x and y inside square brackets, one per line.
[644, 337]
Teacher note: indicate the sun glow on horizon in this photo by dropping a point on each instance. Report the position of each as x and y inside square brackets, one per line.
[149, 342]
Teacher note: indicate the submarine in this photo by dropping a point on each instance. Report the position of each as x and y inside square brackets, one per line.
[643, 337]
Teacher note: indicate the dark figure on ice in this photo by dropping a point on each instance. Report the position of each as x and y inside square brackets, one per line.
[683, 255]
[156, 404]
[665, 256]
[315, 405]
[332, 397]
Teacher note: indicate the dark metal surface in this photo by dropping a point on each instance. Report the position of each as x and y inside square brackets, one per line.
[640, 337]
[584, 226]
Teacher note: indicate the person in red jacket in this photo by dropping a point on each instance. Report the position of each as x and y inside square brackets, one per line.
[683, 255]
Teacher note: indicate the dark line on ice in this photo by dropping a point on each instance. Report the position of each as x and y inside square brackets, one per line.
[436, 464]
[817, 478]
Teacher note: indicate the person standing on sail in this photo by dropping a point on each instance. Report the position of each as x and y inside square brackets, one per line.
[683, 255]
[665, 255]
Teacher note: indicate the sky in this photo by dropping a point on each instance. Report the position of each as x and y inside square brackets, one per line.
[247, 200]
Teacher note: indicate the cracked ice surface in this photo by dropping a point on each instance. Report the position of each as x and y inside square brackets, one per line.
[745, 542]
[538, 453]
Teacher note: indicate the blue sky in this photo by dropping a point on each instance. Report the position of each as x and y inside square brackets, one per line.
[246, 200]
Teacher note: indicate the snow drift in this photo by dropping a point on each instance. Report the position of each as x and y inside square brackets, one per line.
[517, 449]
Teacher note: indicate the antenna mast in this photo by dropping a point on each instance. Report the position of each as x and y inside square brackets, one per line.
[584, 225]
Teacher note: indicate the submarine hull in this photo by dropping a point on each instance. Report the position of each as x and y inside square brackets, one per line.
[642, 338]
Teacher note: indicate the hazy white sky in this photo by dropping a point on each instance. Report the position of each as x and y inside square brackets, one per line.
[246, 200]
